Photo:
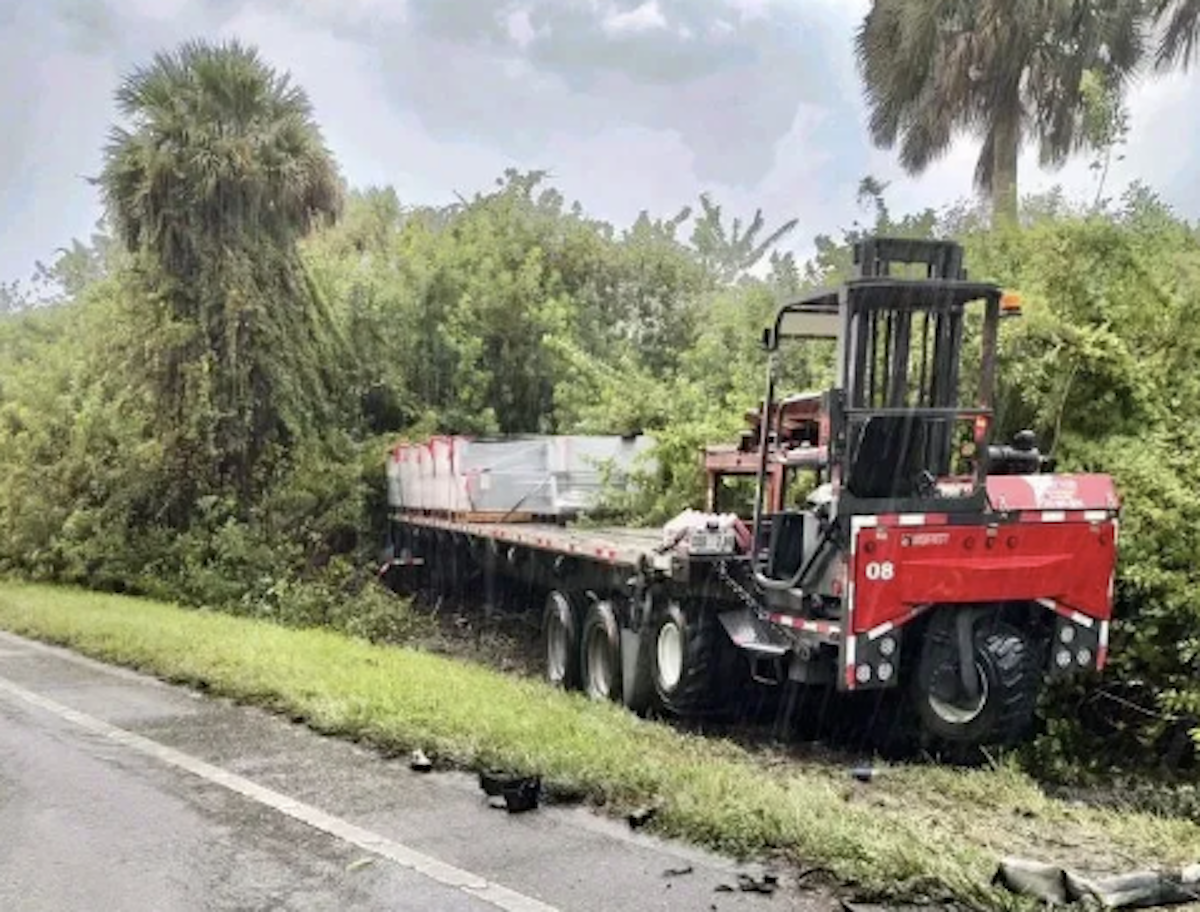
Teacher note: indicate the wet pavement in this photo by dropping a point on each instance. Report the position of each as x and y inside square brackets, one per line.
[119, 792]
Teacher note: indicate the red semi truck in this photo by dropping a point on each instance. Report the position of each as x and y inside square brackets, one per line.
[890, 544]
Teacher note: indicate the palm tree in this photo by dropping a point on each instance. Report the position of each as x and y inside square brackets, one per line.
[218, 172]
[1180, 24]
[1005, 71]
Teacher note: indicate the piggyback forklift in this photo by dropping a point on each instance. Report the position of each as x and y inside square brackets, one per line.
[923, 556]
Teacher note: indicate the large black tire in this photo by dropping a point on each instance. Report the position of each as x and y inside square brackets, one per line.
[683, 658]
[560, 641]
[600, 653]
[1006, 660]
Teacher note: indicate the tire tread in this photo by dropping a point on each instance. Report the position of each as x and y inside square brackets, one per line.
[696, 687]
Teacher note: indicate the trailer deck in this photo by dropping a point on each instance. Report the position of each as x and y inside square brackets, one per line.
[616, 546]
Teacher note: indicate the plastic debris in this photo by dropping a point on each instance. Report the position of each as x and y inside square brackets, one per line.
[419, 763]
[642, 816]
[516, 793]
[491, 782]
[1134, 890]
[522, 794]
[768, 883]
[863, 773]
[678, 872]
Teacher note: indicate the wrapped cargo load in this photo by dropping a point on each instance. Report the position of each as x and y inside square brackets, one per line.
[503, 476]
[512, 477]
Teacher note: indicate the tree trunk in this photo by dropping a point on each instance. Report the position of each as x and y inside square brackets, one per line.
[1005, 150]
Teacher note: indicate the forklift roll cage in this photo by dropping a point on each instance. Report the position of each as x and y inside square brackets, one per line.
[887, 428]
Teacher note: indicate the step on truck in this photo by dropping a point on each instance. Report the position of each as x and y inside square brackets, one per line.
[884, 541]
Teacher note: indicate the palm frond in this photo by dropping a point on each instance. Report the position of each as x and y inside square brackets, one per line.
[219, 141]
[935, 69]
[1180, 24]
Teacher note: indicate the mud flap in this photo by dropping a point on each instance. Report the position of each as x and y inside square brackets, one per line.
[753, 635]
[637, 689]
[763, 645]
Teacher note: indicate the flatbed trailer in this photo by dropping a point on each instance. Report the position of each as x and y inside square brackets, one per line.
[924, 558]
[597, 589]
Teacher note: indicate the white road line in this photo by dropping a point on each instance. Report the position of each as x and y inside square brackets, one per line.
[427, 865]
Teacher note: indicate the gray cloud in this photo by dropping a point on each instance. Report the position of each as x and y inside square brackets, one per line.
[630, 104]
[730, 85]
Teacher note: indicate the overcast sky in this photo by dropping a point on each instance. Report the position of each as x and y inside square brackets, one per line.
[630, 105]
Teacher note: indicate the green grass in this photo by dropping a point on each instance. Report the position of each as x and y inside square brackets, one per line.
[912, 831]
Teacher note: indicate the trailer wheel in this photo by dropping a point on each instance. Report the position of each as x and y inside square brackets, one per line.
[683, 658]
[600, 653]
[561, 641]
[1009, 680]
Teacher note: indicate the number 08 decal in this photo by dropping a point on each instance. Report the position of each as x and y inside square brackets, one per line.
[880, 571]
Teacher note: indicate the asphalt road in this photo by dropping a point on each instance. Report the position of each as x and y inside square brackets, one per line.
[119, 792]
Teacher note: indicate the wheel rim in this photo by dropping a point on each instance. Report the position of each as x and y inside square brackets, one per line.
[670, 655]
[556, 650]
[957, 714]
[598, 665]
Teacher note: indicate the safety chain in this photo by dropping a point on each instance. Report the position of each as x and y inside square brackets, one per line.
[739, 590]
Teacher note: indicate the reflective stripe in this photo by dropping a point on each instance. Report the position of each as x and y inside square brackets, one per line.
[876, 632]
[1102, 650]
[851, 643]
[1053, 516]
[857, 524]
[850, 606]
[796, 623]
[912, 519]
[1076, 617]
[1095, 515]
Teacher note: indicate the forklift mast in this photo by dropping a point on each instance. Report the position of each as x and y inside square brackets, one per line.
[902, 430]
[902, 419]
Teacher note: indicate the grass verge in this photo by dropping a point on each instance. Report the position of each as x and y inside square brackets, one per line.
[913, 831]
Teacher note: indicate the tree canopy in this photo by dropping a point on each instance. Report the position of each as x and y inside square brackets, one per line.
[217, 173]
[1008, 72]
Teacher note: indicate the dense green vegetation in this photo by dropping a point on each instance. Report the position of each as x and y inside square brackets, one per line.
[912, 832]
[201, 415]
